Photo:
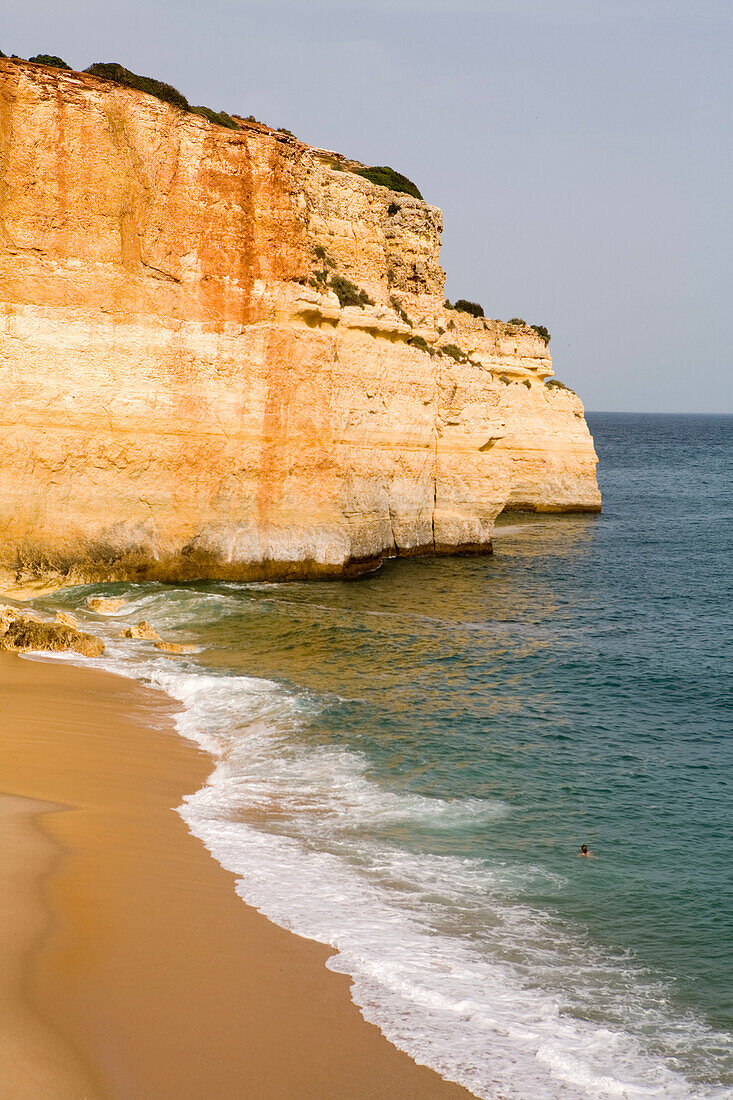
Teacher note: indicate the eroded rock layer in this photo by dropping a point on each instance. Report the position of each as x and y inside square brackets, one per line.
[183, 394]
[23, 633]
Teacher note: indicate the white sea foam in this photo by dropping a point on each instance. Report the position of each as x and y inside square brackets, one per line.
[445, 955]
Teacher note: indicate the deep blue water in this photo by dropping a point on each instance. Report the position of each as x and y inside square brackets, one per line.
[409, 763]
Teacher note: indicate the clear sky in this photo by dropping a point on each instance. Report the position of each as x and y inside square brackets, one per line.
[581, 150]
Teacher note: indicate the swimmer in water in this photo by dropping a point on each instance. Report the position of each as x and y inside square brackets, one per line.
[584, 851]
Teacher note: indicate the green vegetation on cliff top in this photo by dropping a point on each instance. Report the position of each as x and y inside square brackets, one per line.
[541, 331]
[219, 118]
[112, 70]
[384, 176]
[49, 59]
[473, 308]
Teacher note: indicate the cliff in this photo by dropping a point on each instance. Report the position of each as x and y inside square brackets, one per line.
[182, 394]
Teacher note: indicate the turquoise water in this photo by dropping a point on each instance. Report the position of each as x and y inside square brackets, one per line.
[408, 764]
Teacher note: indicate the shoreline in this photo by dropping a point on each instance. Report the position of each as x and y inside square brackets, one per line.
[143, 974]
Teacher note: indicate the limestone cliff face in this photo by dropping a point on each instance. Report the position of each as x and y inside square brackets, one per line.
[183, 395]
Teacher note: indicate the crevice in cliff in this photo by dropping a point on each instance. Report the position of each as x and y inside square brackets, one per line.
[394, 548]
[137, 192]
[158, 273]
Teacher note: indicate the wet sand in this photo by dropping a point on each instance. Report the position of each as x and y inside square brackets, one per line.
[129, 968]
[34, 1060]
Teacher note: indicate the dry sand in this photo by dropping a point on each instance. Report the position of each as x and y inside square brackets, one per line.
[129, 968]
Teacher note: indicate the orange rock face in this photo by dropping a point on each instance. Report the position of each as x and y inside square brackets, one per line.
[183, 395]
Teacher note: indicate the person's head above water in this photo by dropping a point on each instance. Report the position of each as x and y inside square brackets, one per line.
[584, 849]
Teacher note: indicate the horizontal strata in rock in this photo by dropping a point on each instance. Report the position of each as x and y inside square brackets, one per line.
[178, 401]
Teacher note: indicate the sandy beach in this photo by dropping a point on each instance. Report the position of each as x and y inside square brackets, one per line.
[130, 968]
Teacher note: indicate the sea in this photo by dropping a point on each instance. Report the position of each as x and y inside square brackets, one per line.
[404, 767]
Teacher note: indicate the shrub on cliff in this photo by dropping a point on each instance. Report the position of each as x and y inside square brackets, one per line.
[384, 176]
[322, 255]
[454, 352]
[118, 74]
[49, 59]
[539, 329]
[348, 293]
[219, 118]
[556, 384]
[469, 307]
[399, 310]
[112, 70]
[419, 343]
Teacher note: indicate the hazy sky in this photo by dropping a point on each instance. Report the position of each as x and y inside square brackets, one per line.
[581, 150]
